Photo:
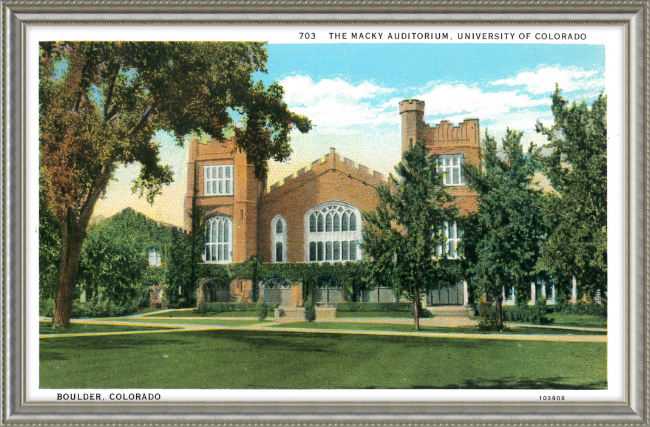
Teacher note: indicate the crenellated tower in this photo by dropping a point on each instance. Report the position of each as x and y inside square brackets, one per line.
[456, 145]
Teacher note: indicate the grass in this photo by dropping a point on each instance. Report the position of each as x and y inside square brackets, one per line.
[570, 320]
[437, 329]
[577, 320]
[148, 310]
[264, 359]
[196, 321]
[45, 328]
[192, 313]
[357, 314]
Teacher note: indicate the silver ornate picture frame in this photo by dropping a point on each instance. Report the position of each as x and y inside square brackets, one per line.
[21, 17]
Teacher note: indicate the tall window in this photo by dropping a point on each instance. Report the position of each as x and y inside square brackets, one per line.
[154, 257]
[279, 239]
[450, 166]
[219, 180]
[453, 234]
[218, 246]
[333, 233]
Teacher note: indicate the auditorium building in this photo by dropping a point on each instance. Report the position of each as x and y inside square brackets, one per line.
[314, 215]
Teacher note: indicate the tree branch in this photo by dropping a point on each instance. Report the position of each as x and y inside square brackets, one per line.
[109, 97]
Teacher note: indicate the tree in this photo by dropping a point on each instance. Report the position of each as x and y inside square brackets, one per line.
[102, 102]
[114, 263]
[577, 169]
[502, 242]
[402, 236]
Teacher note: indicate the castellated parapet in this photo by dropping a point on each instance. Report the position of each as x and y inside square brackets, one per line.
[414, 129]
[331, 162]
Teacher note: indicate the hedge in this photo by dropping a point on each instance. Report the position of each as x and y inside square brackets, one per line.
[382, 307]
[590, 309]
[527, 314]
[371, 306]
[86, 309]
[225, 307]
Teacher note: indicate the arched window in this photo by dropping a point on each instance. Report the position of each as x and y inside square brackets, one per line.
[333, 235]
[218, 246]
[279, 239]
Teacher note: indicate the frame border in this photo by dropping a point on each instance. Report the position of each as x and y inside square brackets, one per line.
[17, 15]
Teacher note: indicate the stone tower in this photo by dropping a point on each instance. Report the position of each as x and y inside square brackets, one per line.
[454, 144]
[411, 112]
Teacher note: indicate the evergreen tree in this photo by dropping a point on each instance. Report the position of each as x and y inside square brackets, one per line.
[502, 242]
[402, 236]
[577, 169]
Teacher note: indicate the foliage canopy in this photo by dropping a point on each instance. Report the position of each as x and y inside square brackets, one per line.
[577, 169]
[102, 102]
[502, 242]
[402, 236]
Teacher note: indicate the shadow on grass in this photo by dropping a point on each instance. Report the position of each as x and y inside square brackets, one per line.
[556, 383]
[51, 356]
[306, 341]
[112, 342]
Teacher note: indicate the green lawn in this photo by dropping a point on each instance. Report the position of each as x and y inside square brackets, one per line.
[356, 314]
[45, 328]
[192, 313]
[265, 359]
[571, 320]
[144, 311]
[212, 321]
[577, 320]
[409, 328]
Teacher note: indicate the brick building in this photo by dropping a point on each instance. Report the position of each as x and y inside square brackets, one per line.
[314, 215]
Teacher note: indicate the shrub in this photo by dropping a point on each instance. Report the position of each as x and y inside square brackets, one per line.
[310, 310]
[46, 307]
[227, 307]
[371, 306]
[582, 307]
[424, 313]
[104, 309]
[262, 310]
[488, 320]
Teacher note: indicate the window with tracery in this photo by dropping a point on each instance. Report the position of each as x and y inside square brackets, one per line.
[333, 233]
[218, 246]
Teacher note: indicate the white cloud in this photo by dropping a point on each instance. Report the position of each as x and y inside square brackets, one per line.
[448, 100]
[336, 104]
[569, 79]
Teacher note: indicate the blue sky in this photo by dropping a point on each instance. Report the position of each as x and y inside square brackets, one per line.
[351, 94]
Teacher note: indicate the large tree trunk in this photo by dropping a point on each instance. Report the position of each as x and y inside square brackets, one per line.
[499, 310]
[70, 254]
[73, 234]
[416, 311]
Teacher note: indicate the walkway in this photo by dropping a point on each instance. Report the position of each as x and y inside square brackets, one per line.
[180, 327]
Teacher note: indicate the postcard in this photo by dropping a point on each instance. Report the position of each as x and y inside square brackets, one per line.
[384, 213]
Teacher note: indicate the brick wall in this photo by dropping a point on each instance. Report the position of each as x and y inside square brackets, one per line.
[444, 139]
[332, 178]
[241, 206]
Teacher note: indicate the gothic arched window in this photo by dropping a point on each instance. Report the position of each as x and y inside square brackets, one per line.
[333, 235]
[279, 239]
[218, 246]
